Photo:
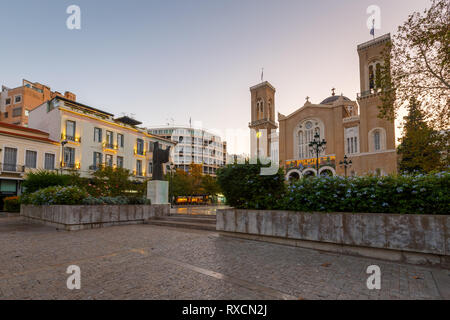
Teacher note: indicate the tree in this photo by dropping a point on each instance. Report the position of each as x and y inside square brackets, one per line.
[193, 182]
[180, 185]
[109, 181]
[421, 147]
[417, 63]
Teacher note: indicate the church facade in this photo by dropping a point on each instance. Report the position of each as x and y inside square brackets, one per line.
[350, 128]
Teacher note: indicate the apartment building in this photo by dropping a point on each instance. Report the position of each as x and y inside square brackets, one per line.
[92, 138]
[23, 150]
[194, 145]
[16, 103]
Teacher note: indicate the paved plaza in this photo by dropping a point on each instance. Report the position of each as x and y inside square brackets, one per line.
[152, 262]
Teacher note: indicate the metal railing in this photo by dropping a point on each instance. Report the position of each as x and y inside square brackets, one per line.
[70, 138]
[110, 146]
[12, 167]
[369, 92]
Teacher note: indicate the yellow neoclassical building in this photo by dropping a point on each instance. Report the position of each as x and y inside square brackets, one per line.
[350, 128]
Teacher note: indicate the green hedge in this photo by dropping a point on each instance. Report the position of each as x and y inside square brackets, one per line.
[245, 188]
[427, 194]
[72, 195]
[42, 179]
[56, 195]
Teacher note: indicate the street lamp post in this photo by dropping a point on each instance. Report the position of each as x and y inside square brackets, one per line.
[346, 164]
[63, 143]
[316, 147]
[171, 166]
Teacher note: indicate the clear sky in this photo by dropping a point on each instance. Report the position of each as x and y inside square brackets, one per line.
[181, 59]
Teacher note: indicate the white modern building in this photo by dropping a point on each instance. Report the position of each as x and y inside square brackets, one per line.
[91, 138]
[194, 145]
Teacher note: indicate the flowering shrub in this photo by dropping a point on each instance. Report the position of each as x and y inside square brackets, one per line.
[75, 196]
[426, 194]
[42, 179]
[11, 204]
[393, 194]
[56, 195]
[244, 187]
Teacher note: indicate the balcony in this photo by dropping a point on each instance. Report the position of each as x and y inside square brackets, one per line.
[12, 168]
[70, 166]
[139, 152]
[70, 138]
[369, 93]
[110, 146]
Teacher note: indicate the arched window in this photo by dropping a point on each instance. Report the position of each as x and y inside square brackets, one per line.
[377, 140]
[260, 109]
[301, 149]
[371, 78]
[269, 110]
[305, 135]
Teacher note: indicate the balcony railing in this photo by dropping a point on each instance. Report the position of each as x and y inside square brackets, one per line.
[70, 138]
[110, 146]
[14, 168]
[369, 92]
[139, 152]
[69, 165]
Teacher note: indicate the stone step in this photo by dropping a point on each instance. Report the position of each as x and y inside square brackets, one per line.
[178, 224]
[191, 219]
[183, 215]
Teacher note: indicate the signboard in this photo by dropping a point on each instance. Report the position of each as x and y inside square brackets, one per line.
[328, 161]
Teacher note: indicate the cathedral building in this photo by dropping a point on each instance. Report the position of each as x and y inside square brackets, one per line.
[350, 128]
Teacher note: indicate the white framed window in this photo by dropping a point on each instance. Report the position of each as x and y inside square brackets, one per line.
[351, 142]
[109, 160]
[18, 99]
[377, 140]
[30, 159]
[120, 140]
[7, 101]
[119, 162]
[17, 112]
[97, 135]
[10, 159]
[49, 161]
[139, 168]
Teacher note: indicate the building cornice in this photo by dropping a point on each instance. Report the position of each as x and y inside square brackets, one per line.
[374, 42]
[263, 84]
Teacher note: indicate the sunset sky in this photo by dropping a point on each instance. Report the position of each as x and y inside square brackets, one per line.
[167, 59]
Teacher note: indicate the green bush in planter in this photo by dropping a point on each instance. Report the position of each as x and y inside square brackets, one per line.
[11, 204]
[56, 195]
[42, 179]
[408, 194]
[138, 200]
[244, 187]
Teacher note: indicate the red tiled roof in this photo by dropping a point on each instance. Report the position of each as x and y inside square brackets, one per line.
[17, 127]
[25, 129]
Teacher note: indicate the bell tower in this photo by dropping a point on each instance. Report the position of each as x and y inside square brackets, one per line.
[262, 123]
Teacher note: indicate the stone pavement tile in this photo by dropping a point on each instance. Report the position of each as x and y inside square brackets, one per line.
[151, 262]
